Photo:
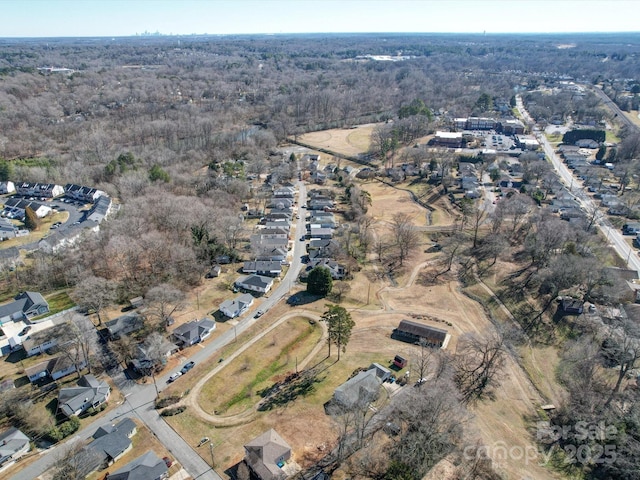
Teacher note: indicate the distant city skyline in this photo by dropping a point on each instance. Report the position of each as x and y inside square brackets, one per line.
[111, 18]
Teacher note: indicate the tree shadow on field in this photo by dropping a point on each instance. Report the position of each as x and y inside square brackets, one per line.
[302, 298]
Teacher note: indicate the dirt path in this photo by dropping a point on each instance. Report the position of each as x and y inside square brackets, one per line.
[191, 399]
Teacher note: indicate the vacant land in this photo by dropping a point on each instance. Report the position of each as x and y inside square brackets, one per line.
[348, 141]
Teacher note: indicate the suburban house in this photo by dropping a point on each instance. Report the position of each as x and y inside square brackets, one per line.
[100, 209]
[55, 368]
[286, 192]
[145, 467]
[413, 332]
[110, 443]
[237, 306]
[270, 268]
[274, 232]
[277, 254]
[84, 194]
[146, 364]
[337, 271]
[38, 342]
[278, 223]
[16, 207]
[266, 454]
[259, 242]
[194, 332]
[572, 306]
[383, 373]
[357, 392]
[281, 202]
[90, 392]
[320, 204]
[46, 190]
[7, 187]
[322, 233]
[124, 325]
[13, 444]
[59, 240]
[255, 283]
[7, 229]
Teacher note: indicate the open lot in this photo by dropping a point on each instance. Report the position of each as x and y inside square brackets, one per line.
[348, 141]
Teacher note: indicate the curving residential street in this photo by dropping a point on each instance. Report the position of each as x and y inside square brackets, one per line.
[139, 399]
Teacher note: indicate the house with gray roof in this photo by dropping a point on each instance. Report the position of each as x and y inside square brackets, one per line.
[266, 454]
[111, 442]
[7, 187]
[7, 229]
[235, 307]
[279, 254]
[25, 305]
[357, 392]
[39, 342]
[194, 332]
[56, 368]
[90, 392]
[84, 194]
[16, 208]
[255, 283]
[13, 444]
[100, 209]
[271, 268]
[124, 325]
[145, 467]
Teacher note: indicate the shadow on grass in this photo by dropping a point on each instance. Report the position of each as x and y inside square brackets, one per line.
[302, 298]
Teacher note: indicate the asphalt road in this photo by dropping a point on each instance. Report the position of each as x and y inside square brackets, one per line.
[139, 399]
[614, 236]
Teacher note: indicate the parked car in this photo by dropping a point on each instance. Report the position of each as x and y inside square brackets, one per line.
[187, 367]
[259, 314]
[167, 461]
[174, 376]
[24, 331]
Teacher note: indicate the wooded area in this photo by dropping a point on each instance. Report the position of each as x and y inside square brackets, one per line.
[180, 130]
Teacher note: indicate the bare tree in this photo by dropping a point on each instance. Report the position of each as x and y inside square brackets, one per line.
[405, 235]
[94, 293]
[478, 363]
[163, 301]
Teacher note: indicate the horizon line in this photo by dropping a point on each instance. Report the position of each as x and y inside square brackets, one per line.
[158, 34]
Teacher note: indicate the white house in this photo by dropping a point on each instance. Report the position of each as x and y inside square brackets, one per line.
[237, 306]
[7, 187]
[38, 342]
[255, 283]
[90, 392]
[46, 190]
[84, 194]
[13, 444]
[195, 331]
[15, 208]
[25, 305]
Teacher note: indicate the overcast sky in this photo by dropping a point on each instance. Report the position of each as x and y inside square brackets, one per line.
[55, 18]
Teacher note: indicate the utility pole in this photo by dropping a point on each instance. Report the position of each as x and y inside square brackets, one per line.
[213, 463]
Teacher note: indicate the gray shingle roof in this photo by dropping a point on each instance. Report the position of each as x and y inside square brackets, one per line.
[146, 467]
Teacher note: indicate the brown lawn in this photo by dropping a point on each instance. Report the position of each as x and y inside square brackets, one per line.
[348, 141]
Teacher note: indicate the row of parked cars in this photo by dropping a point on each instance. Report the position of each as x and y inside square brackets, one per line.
[174, 376]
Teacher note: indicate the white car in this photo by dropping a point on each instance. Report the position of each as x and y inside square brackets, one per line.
[174, 376]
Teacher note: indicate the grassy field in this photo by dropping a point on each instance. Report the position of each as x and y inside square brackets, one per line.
[268, 360]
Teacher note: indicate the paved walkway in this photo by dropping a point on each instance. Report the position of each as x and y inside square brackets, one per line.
[191, 400]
